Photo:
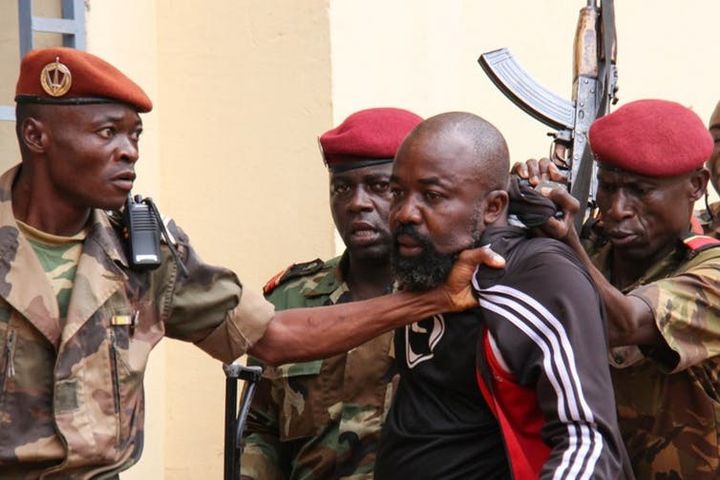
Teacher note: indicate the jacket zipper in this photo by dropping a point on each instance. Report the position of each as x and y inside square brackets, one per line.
[9, 359]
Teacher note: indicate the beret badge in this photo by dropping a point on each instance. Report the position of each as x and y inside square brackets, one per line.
[56, 78]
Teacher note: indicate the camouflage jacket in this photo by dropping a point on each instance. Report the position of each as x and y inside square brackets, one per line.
[319, 419]
[668, 398]
[710, 220]
[71, 395]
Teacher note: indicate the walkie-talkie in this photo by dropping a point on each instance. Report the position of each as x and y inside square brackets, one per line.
[142, 234]
[143, 228]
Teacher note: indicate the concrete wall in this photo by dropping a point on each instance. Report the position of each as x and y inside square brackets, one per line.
[242, 88]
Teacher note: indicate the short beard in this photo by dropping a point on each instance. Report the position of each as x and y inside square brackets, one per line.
[428, 269]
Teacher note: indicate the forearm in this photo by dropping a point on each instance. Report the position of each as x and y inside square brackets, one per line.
[630, 320]
[308, 333]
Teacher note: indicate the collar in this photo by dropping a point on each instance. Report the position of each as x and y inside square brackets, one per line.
[332, 283]
[665, 266]
[502, 239]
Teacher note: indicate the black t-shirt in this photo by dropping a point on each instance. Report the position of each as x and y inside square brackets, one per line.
[439, 426]
[548, 321]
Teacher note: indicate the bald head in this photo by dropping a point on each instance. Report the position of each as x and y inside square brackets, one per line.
[479, 148]
[449, 183]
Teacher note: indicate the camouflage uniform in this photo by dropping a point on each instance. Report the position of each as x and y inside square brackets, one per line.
[319, 419]
[710, 223]
[669, 398]
[71, 393]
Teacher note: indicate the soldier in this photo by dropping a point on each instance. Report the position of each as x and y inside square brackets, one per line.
[541, 315]
[77, 322]
[322, 419]
[659, 282]
[710, 217]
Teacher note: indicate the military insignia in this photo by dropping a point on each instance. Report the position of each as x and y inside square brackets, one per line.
[56, 78]
[274, 281]
[295, 270]
[700, 242]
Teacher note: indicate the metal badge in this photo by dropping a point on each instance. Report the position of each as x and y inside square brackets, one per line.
[56, 78]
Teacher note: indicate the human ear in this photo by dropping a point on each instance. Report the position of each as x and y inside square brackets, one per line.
[496, 203]
[697, 184]
[33, 135]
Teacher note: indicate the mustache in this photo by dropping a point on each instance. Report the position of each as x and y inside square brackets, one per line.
[411, 231]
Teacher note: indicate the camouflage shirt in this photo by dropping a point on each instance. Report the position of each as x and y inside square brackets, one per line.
[320, 419]
[71, 393]
[668, 397]
[710, 220]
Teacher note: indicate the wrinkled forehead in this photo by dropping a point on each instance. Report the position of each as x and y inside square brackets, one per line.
[438, 150]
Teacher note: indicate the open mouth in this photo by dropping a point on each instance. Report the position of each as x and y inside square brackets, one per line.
[362, 232]
[124, 180]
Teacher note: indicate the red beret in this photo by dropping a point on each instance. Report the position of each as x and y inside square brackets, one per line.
[367, 137]
[655, 138]
[69, 76]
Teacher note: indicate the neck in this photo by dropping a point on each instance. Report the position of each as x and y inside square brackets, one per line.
[626, 269]
[368, 278]
[38, 207]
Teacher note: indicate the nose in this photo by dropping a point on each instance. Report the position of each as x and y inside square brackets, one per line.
[620, 206]
[360, 200]
[405, 211]
[128, 150]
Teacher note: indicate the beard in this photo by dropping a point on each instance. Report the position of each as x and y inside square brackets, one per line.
[428, 269]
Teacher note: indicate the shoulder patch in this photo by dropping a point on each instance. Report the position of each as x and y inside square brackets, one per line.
[700, 242]
[295, 270]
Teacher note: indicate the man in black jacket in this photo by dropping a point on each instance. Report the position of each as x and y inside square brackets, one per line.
[536, 343]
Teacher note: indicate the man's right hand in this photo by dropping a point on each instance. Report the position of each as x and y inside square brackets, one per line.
[458, 286]
[546, 176]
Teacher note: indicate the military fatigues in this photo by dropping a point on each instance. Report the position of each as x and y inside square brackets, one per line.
[319, 419]
[710, 220]
[71, 392]
[669, 398]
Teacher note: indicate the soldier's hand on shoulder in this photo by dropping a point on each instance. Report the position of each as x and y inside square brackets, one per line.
[560, 228]
[536, 171]
[457, 287]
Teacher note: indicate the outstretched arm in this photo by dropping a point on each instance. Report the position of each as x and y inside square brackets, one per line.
[307, 333]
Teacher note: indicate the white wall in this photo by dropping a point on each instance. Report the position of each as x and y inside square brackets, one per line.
[422, 55]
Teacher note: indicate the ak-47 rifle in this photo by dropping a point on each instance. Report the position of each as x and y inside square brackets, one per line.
[594, 88]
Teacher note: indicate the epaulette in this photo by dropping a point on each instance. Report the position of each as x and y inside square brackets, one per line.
[697, 243]
[295, 270]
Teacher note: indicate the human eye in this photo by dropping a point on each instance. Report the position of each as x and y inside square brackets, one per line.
[340, 188]
[380, 186]
[432, 196]
[135, 135]
[396, 192]
[106, 132]
[641, 189]
[606, 187]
